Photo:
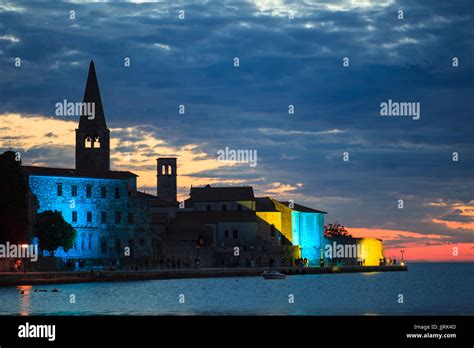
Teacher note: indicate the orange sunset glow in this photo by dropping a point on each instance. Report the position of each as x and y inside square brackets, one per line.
[426, 247]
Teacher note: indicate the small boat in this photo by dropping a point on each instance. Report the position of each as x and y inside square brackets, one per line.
[273, 275]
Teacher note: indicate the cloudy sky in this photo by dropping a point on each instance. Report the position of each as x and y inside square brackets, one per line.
[290, 53]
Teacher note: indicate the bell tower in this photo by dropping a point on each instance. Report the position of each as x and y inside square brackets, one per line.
[93, 136]
[166, 178]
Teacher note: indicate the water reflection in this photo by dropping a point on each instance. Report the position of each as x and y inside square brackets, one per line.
[370, 274]
[25, 299]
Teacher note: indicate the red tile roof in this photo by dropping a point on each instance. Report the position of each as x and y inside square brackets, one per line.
[220, 194]
[158, 202]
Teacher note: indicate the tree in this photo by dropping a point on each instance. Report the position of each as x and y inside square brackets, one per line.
[53, 231]
[336, 230]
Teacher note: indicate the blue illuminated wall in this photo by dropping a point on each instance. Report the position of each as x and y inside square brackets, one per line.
[308, 233]
[97, 238]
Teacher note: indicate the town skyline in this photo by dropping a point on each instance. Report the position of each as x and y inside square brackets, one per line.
[389, 159]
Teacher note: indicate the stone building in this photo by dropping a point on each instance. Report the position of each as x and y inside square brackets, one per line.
[229, 226]
[104, 206]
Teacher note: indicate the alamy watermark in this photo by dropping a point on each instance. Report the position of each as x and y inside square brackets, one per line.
[238, 156]
[393, 108]
[23, 251]
[37, 331]
[67, 108]
[336, 250]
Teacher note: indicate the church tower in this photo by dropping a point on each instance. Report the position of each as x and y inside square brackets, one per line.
[166, 178]
[93, 136]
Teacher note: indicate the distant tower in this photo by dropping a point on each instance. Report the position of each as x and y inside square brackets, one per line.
[93, 136]
[166, 179]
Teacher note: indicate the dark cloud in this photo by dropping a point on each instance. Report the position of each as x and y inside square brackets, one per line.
[457, 216]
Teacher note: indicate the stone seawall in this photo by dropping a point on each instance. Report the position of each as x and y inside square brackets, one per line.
[44, 278]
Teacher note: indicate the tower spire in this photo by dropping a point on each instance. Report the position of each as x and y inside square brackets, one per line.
[92, 136]
[92, 95]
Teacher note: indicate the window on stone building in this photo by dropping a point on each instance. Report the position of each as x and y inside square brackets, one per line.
[117, 192]
[235, 234]
[208, 207]
[103, 217]
[88, 191]
[83, 241]
[224, 207]
[163, 170]
[89, 216]
[96, 142]
[74, 216]
[60, 189]
[130, 218]
[118, 217]
[103, 192]
[226, 234]
[103, 246]
[74, 190]
[170, 169]
[90, 241]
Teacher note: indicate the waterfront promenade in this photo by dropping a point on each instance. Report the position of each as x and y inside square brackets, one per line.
[43, 278]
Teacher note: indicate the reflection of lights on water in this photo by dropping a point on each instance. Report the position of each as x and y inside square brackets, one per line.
[369, 274]
[25, 293]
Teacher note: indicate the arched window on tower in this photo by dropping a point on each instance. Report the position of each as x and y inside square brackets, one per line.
[163, 170]
[88, 142]
[170, 169]
[96, 143]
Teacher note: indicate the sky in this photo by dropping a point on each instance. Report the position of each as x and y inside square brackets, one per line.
[290, 53]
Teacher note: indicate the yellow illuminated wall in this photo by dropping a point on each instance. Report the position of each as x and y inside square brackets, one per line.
[286, 227]
[371, 250]
[250, 205]
[271, 218]
[266, 220]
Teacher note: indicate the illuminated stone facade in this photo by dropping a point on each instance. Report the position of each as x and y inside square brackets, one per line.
[108, 214]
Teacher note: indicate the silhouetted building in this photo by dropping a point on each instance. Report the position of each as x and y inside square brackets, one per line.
[166, 179]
